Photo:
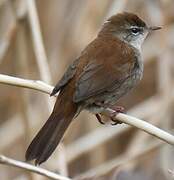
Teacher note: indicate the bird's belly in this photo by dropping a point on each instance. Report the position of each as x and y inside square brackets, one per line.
[125, 87]
[110, 97]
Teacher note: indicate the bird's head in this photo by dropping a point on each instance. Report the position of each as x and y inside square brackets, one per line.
[128, 27]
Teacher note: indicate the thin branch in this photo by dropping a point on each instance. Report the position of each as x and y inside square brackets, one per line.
[25, 83]
[140, 124]
[29, 167]
[143, 125]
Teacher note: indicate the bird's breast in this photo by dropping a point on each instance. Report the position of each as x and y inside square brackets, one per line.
[110, 98]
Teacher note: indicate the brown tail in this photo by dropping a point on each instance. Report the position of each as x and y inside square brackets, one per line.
[47, 139]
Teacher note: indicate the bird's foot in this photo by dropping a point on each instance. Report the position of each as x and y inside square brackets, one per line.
[117, 109]
[99, 118]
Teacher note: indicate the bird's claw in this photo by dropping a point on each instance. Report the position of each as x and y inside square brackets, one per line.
[99, 119]
[115, 122]
[117, 109]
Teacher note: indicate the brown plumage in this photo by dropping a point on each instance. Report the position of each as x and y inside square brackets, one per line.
[106, 70]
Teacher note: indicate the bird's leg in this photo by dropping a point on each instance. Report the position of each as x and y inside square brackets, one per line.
[98, 116]
[117, 109]
[99, 119]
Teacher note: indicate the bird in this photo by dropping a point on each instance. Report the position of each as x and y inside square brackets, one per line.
[107, 69]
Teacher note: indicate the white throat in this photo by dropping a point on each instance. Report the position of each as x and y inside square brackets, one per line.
[137, 43]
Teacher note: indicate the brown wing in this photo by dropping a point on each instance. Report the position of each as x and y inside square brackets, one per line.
[70, 72]
[108, 70]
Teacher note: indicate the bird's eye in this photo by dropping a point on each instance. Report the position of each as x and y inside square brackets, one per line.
[135, 30]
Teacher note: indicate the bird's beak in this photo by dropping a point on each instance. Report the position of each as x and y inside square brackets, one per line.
[154, 28]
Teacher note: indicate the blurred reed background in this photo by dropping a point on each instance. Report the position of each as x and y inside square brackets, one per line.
[89, 150]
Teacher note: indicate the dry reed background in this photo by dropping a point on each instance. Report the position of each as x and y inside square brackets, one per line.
[89, 150]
